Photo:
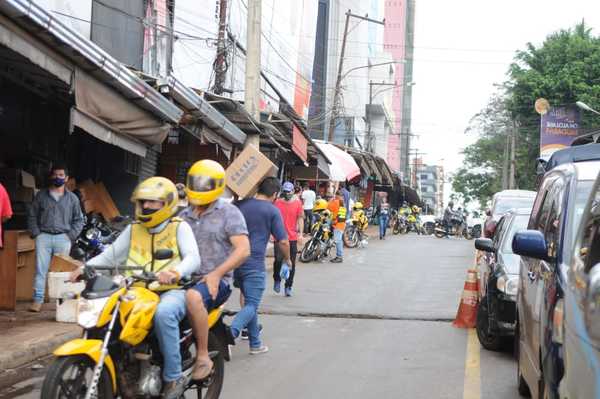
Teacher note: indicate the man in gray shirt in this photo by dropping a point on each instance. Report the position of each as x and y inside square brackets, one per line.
[55, 220]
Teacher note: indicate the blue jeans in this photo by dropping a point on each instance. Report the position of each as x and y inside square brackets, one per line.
[252, 285]
[383, 222]
[339, 242]
[169, 313]
[47, 245]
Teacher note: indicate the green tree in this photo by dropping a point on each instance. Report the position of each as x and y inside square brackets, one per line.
[564, 69]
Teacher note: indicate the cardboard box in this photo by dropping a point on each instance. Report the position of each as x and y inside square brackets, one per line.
[247, 171]
[22, 194]
[64, 263]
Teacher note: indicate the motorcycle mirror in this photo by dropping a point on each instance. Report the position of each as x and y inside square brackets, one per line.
[163, 254]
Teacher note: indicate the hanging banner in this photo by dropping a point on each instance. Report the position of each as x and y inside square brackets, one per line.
[559, 127]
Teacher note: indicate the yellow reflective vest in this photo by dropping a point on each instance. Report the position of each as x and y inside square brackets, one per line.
[143, 244]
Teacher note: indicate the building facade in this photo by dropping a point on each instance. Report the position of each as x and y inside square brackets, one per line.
[430, 181]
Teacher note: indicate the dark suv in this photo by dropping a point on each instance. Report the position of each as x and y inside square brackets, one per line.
[496, 314]
[546, 252]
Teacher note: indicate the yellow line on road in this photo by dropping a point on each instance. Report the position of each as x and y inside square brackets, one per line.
[472, 387]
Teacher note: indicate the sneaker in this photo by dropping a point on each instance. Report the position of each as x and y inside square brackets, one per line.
[337, 259]
[258, 351]
[288, 291]
[277, 286]
[174, 389]
[244, 334]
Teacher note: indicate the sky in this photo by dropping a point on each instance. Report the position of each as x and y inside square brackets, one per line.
[464, 47]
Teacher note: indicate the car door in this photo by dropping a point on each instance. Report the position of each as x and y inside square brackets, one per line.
[581, 335]
[530, 294]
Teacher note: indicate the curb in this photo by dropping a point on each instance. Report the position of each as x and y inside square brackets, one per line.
[34, 350]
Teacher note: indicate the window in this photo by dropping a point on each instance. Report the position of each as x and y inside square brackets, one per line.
[132, 163]
[588, 254]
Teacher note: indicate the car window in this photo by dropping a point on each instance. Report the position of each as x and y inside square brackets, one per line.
[552, 225]
[589, 251]
[506, 204]
[499, 231]
[539, 201]
[519, 223]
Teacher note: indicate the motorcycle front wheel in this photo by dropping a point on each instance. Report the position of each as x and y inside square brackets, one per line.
[438, 233]
[68, 377]
[309, 250]
[211, 388]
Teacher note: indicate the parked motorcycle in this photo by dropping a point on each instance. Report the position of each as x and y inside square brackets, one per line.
[321, 241]
[94, 238]
[118, 355]
[399, 223]
[456, 227]
[355, 234]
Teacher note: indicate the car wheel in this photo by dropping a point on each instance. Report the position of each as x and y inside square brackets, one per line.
[487, 339]
[522, 386]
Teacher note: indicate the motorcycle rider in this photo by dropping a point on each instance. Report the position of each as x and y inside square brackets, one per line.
[156, 202]
[448, 215]
[338, 211]
[222, 239]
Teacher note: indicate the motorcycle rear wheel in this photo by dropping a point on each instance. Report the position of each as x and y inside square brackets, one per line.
[351, 237]
[58, 385]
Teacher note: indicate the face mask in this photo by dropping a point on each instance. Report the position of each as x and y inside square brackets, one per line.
[287, 196]
[58, 181]
[146, 211]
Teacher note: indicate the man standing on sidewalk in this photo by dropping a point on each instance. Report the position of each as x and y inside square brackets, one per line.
[263, 220]
[338, 217]
[293, 219]
[55, 220]
[308, 202]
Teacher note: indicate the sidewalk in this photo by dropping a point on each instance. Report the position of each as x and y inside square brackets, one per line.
[25, 336]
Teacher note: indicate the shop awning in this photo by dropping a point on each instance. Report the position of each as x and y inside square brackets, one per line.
[90, 57]
[342, 166]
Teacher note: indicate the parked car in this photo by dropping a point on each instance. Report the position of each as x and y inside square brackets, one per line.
[496, 314]
[579, 311]
[546, 250]
[502, 202]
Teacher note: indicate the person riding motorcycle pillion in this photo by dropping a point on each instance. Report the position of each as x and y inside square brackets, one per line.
[405, 209]
[156, 228]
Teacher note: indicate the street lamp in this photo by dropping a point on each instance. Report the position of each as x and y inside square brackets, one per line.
[371, 97]
[586, 107]
[336, 93]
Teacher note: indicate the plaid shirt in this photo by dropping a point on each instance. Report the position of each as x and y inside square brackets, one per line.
[213, 230]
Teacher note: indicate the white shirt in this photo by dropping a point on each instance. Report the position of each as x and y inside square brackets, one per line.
[308, 199]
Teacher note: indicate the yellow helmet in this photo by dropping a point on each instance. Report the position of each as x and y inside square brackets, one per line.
[320, 205]
[155, 189]
[205, 182]
[357, 205]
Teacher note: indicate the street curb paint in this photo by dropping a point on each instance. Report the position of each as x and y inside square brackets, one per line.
[472, 384]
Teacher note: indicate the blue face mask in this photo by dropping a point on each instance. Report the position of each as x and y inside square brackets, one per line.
[58, 181]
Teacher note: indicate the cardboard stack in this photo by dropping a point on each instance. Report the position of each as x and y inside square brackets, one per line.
[97, 199]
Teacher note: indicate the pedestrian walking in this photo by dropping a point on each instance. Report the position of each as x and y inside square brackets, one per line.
[293, 220]
[383, 212]
[55, 221]
[263, 220]
[338, 217]
[5, 209]
[308, 202]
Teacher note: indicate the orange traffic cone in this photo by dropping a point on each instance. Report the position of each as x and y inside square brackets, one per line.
[466, 317]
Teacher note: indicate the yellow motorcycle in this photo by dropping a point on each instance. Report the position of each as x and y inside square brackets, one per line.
[118, 355]
[355, 233]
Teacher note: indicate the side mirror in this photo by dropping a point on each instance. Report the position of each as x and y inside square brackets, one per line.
[163, 254]
[485, 244]
[592, 304]
[530, 243]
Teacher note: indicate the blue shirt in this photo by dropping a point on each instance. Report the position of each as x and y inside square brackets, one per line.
[263, 220]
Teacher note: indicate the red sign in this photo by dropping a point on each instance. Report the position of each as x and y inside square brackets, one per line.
[299, 144]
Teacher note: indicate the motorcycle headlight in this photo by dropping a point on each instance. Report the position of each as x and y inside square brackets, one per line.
[92, 233]
[88, 311]
[508, 285]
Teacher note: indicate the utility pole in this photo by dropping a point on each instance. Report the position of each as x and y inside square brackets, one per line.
[220, 65]
[252, 83]
[369, 136]
[505, 163]
[338, 82]
[513, 139]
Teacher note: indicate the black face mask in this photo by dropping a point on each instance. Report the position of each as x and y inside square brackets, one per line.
[146, 211]
[287, 196]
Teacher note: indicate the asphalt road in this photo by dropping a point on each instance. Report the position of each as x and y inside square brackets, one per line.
[376, 326]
